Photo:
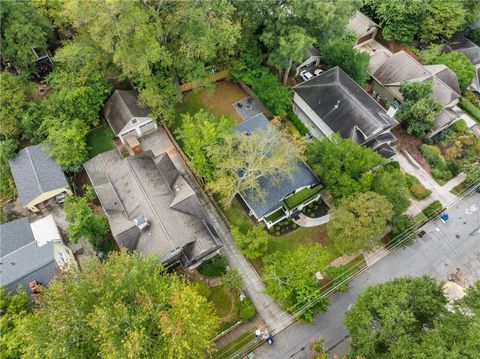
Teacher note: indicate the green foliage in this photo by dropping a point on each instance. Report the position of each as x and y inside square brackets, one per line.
[342, 165]
[232, 280]
[23, 29]
[418, 191]
[390, 182]
[460, 126]
[434, 157]
[290, 277]
[339, 276]
[401, 224]
[253, 244]
[442, 18]
[8, 148]
[214, 267]
[32, 123]
[83, 222]
[14, 92]
[429, 55]
[461, 65]
[297, 123]
[359, 221]
[433, 209]
[415, 90]
[199, 134]
[470, 108]
[472, 170]
[354, 62]
[246, 310]
[125, 307]
[472, 97]
[475, 35]
[13, 307]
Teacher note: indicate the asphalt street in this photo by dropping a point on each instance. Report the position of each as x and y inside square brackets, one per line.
[451, 248]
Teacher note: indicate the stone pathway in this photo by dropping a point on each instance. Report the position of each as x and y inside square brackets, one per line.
[304, 221]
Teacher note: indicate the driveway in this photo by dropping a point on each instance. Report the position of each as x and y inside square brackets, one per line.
[447, 248]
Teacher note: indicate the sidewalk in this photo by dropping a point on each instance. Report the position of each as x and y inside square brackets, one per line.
[304, 221]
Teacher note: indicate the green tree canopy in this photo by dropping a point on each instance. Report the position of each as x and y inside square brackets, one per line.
[390, 182]
[290, 278]
[461, 65]
[125, 307]
[253, 244]
[359, 221]
[354, 62]
[8, 148]
[407, 318]
[14, 92]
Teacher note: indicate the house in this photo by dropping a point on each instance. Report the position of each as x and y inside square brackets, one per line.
[459, 42]
[334, 103]
[31, 253]
[151, 208]
[312, 59]
[37, 177]
[388, 75]
[285, 198]
[362, 27]
[126, 117]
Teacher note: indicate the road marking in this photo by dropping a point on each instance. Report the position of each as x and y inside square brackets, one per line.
[473, 208]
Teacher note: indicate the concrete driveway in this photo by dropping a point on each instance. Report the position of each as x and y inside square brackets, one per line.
[447, 248]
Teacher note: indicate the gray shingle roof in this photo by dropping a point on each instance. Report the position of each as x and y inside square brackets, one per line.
[344, 106]
[302, 176]
[462, 44]
[22, 259]
[360, 23]
[35, 173]
[121, 107]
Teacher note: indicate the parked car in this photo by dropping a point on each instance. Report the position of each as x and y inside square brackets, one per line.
[317, 72]
[306, 75]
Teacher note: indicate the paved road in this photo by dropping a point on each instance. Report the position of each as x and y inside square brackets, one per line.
[445, 247]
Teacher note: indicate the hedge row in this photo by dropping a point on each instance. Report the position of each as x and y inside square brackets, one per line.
[433, 208]
[470, 108]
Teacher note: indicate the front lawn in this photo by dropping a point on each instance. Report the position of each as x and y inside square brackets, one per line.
[100, 140]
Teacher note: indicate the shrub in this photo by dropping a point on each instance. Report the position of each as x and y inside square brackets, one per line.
[470, 108]
[470, 96]
[418, 191]
[433, 208]
[442, 174]
[246, 310]
[338, 275]
[297, 123]
[411, 180]
[432, 154]
[401, 224]
[214, 267]
[475, 36]
[460, 126]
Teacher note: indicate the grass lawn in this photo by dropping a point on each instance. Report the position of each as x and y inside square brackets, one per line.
[100, 139]
[457, 190]
[217, 296]
[302, 196]
[219, 102]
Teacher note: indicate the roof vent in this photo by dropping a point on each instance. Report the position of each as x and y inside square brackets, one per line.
[176, 188]
[142, 223]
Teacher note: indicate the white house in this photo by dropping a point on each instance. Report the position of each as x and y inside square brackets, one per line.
[126, 117]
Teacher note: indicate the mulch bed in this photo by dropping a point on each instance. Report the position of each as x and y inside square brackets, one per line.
[411, 144]
[316, 209]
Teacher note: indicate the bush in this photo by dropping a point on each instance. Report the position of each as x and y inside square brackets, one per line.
[460, 126]
[432, 209]
[470, 96]
[475, 36]
[432, 154]
[338, 276]
[470, 108]
[442, 174]
[418, 191]
[214, 267]
[246, 310]
[401, 224]
[411, 180]
[297, 123]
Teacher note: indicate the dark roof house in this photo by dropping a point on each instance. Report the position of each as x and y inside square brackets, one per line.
[459, 42]
[334, 103]
[37, 176]
[301, 177]
[363, 27]
[151, 208]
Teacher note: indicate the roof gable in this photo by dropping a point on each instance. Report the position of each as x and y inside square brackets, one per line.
[360, 23]
[14, 235]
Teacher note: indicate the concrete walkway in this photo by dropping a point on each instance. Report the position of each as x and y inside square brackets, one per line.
[269, 311]
[304, 221]
[440, 193]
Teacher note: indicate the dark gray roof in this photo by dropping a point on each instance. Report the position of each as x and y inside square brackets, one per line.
[138, 186]
[462, 44]
[22, 260]
[35, 173]
[300, 177]
[121, 107]
[360, 23]
[344, 106]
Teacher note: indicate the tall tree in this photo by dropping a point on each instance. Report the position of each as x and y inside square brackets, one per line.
[125, 307]
[442, 18]
[14, 91]
[461, 65]
[23, 29]
[246, 158]
[290, 278]
[359, 221]
[8, 148]
[390, 182]
[253, 244]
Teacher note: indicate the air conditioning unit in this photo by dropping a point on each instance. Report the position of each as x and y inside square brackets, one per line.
[142, 223]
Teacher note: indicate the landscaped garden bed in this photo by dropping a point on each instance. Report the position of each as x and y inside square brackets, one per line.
[316, 209]
[283, 227]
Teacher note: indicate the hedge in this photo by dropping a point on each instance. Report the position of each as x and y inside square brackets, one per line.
[470, 108]
[433, 208]
[297, 123]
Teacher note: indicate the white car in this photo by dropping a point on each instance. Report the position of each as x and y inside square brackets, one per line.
[305, 75]
[317, 72]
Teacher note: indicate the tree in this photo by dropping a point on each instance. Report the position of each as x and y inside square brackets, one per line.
[390, 182]
[472, 171]
[253, 244]
[418, 111]
[125, 307]
[84, 222]
[199, 134]
[407, 318]
[8, 148]
[290, 278]
[402, 226]
[245, 158]
[442, 18]
[23, 29]
[359, 221]
[14, 92]
[461, 65]
[429, 55]
[342, 53]
[13, 307]
[67, 144]
[232, 280]
[342, 165]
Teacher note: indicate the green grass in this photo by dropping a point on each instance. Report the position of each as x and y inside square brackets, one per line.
[219, 298]
[100, 140]
[237, 216]
[457, 190]
[234, 345]
[275, 215]
[302, 196]
[192, 103]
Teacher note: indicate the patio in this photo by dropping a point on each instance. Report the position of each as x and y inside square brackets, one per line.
[247, 108]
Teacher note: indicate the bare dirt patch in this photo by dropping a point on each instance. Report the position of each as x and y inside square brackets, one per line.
[411, 144]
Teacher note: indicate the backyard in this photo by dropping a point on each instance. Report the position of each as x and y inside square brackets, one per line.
[100, 139]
